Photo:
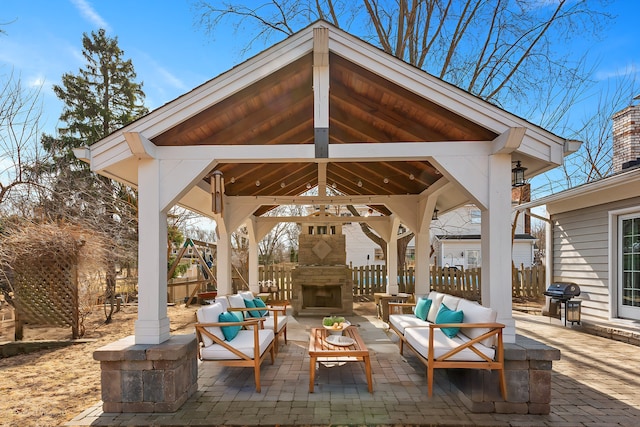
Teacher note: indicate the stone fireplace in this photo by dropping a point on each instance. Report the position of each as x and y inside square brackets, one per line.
[321, 282]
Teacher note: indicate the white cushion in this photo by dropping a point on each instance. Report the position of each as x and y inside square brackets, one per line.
[236, 301]
[451, 302]
[436, 297]
[269, 322]
[210, 314]
[247, 295]
[418, 338]
[476, 313]
[402, 321]
[224, 302]
[243, 342]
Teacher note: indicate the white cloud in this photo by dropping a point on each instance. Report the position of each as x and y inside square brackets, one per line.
[36, 81]
[90, 14]
[627, 70]
[171, 80]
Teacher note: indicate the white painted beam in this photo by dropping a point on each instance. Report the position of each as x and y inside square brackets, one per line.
[140, 146]
[509, 141]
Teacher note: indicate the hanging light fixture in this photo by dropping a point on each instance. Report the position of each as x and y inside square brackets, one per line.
[517, 175]
[434, 216]
[217, 191]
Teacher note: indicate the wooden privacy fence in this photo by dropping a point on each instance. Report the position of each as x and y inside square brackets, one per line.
[527, 282]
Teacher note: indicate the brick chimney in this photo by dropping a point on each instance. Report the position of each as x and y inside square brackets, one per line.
[626, 138]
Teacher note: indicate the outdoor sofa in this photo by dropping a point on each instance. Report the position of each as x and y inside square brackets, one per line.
[445, 331]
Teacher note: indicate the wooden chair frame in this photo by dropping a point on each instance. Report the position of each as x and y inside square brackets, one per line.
[244, 360]
[497, 363]
[279, 307]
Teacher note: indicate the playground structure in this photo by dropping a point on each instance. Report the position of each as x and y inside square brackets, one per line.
[199, 280]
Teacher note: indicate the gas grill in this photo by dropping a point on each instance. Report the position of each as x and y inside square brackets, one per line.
[561, 293]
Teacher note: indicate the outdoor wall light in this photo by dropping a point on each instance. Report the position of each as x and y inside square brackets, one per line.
[517, 174]
[434, 216]
[217, 191]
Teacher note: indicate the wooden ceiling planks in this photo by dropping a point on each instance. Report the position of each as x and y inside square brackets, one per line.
[363, 107]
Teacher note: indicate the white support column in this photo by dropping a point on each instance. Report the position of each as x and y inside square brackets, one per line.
[253, 257]
[152, 326]
[392, 258]
[223, 266]
[496, 244]
[423, 262]
[548, 253]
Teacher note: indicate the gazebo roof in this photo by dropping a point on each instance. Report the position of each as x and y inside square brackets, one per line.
[270, 102]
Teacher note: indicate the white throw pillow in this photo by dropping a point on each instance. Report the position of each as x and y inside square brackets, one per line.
[435, 306]
[476, 313]
[210, 314]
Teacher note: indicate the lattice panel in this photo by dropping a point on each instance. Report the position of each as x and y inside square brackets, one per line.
[46, 290]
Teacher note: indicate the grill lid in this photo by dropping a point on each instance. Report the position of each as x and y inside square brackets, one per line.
[565, 290]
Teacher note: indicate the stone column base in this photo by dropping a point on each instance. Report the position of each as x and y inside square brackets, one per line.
[148, 377]
[528, 365]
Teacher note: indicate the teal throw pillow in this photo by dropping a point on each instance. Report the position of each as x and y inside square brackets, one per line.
[250, 304]
[422, 308]
[446, 315]
[260, 304]
[230, 331]
[239, 315]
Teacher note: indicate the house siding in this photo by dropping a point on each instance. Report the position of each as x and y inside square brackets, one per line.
[581, 254]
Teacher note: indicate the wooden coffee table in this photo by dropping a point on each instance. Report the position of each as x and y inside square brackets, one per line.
[320, 350]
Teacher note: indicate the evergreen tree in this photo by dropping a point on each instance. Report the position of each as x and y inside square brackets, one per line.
[101, 98]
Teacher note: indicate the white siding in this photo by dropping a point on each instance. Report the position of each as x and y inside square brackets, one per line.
[581, 254]
[523, 253]
[359, 246]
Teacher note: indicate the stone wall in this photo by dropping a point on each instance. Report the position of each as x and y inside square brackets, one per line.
[528, 366]
[322, 249]
[148, 377]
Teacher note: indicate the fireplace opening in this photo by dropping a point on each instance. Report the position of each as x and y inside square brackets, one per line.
[326, 296]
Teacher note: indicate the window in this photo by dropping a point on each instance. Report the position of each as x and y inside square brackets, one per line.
[630, 262]
[473, 258]
[475, 216]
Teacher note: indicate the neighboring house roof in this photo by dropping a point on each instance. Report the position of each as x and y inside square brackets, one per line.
[478, 237]
[622, 185]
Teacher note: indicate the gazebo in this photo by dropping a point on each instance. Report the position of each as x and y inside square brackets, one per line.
[323, 109]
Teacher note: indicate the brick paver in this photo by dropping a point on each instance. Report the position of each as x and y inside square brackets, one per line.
[596, 383]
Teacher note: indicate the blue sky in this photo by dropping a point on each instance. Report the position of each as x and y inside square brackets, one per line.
[172, 54]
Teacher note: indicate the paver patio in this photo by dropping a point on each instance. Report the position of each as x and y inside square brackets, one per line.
[594, 384]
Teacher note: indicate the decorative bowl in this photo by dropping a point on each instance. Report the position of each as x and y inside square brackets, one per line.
[335, 325]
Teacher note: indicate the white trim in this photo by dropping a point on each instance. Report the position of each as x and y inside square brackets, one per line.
[590, 194]
[615, 266]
